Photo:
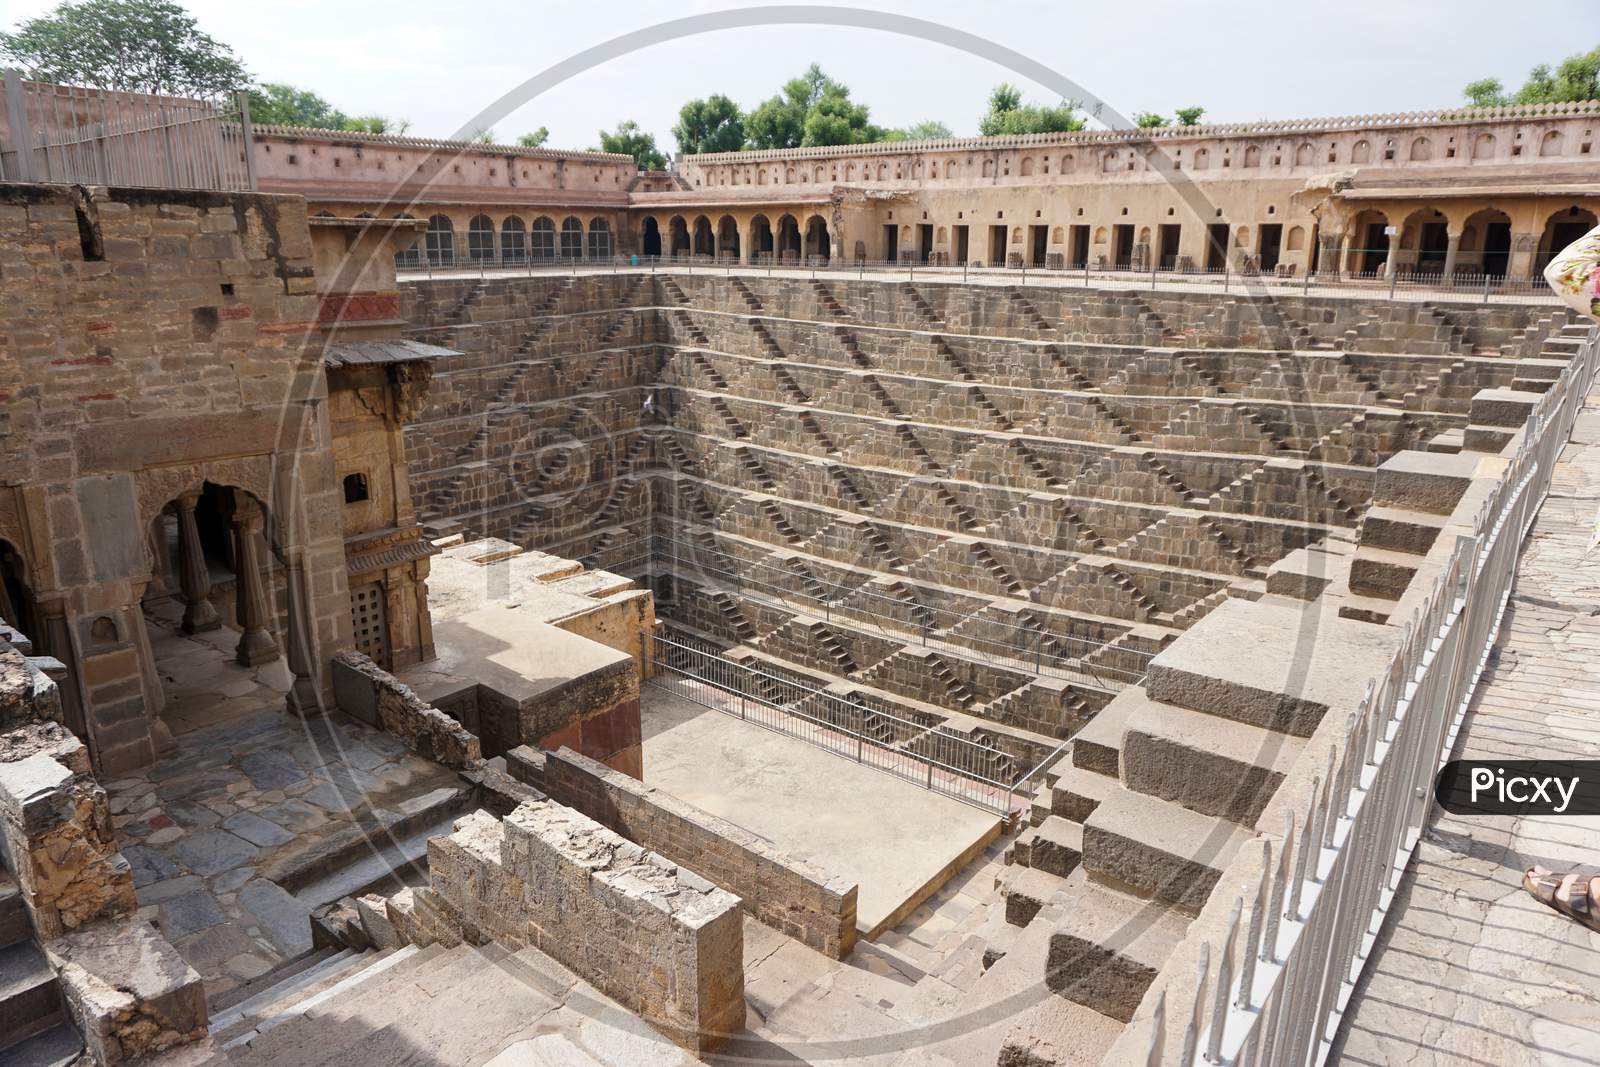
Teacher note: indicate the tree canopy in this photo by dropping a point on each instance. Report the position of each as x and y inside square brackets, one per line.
[812, 109]
[1575, 78]
[630, 140]
[1189, 116]
[714, 124]
[926, 130]
[536, 139]
[142, 46]
[276, 104]
[1007, 114]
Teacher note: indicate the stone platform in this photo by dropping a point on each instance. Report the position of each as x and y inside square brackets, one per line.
[897, 841]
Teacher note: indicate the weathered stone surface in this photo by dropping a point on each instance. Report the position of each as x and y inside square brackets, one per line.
[129, 993]
[209, 852]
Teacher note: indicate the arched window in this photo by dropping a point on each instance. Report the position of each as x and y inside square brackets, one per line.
[1302, 155]
[1483, 146]
[1421, 149]
[1202, 158]
[441, 242]
[1361, 153]
[1027, 166]
[544, 238]
[480, 239]
[1552, 144]
[950, 170]
[599, 239]
[513, 240]
[408, 258]
[1252, 156]
[571, 238]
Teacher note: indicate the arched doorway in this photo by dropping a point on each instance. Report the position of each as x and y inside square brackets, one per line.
[1560, 230]
[544, 238]
[1368, 254]
[441, 242]
[727, 238]
[788, 250]
[678, 236]
[760, 239]
[599, 239]
[480, 239]
[703, 241]
[210, 610]
[513, 240]
[650, 241]
[818, 245]
[16, 594]
[1424, 243]
[571, 238]
[1485, 244]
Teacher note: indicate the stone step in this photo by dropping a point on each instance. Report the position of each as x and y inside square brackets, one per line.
[1098, 746]
[1401, 530]
[1208, 764]
[58, 1046]
[1108, 948]
[1155, 848]
[1056, 846]
[284, 989]
[1078, 792]
[1026, 891]
[1383, 573]
[336, 987]
[14, 924]
[30, 998]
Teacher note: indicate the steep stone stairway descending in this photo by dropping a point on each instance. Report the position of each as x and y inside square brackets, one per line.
[34, 1028]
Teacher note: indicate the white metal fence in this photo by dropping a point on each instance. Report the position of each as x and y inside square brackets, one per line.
[1278, 995]
[70, 134]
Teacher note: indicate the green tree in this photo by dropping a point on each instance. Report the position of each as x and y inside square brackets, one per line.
[1149, 120]
[377, 124]
[630, 140]
[276, 104]
[714, 124]
[780, 121]
[1575, 78]
[482, 135]
[1486, 92]
[1189, 116]
[143, 46]
[536, 139]
[836, 119]
[926, 130]
[1009, 115]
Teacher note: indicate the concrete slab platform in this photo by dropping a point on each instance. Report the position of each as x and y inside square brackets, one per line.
[897, 841]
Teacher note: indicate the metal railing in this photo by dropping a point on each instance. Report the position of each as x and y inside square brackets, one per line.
[1013, 646]
[455, 257]
[1278, 996]
[926, 753]
[70, 134]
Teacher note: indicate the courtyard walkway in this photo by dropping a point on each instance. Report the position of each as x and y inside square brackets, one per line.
[1470, 969]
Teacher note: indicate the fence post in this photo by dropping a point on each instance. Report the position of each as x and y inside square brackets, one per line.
[21, 134]
[247, 138]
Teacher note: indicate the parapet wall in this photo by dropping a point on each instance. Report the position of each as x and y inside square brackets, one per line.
[662, 941]
[379, 699]
[787, 894]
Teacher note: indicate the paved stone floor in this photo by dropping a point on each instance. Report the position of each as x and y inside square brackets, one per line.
[889, 836]
[247, 789]
[1472, 970]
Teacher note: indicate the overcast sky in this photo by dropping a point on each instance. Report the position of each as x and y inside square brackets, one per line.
[437, 64]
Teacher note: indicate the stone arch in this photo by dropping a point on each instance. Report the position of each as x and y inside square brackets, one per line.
[704, 241]
[650, 237]
[1421, 149]
[1252, 155]
[1295, 240]
[1057, 235]
[480, 238]
[1361, 152]
[818, 173]
[441, 241]
[1100, 235]
[760, 238]
[1562, 228]
[940, 236]
[513, 240]
[572, 237]
[727, 238]
[543, 238]
[599, 246]
[1485, 246]
[883, 172]
[1368, 251]
[818, 242]
[950, 170]
[1026, 167]
[1552, 143]
[1304, 155]
[18, 605]
[1483, 146]
[1202, 158]
[988, 168]
[1241, 237]
[788, 247]
[677, 236]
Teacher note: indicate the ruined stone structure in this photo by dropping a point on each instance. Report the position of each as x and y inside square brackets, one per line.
[1457, 194]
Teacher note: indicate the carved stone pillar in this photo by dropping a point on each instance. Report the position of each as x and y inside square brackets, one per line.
[305, 697]
[1330, 257]
[256, 645]
[193, 577]
[1451, 248]
[1524, 249]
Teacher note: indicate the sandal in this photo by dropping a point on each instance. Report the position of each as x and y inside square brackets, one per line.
[1572, 895]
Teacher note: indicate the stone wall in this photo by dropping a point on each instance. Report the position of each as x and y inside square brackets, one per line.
[376, 697]
[660, 940]
[787, 894]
